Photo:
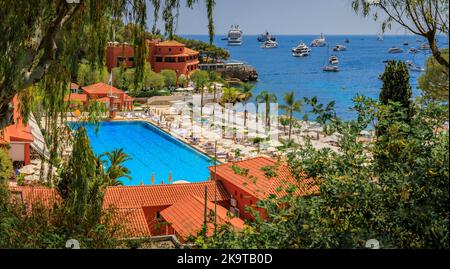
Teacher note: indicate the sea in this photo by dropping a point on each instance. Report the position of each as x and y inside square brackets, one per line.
[360, 66]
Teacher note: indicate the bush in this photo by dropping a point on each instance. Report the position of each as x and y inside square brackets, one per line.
[6, 166]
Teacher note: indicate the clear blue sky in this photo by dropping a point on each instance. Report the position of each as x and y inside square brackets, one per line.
[278, 17]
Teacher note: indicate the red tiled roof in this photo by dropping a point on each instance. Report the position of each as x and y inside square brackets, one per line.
[187, 216]
[256, 182]
[169, 43]
[18, 132]
[103, 99]
[159, 195]
[101, 88]
[31, 195]
[132, 221]
[190, 51]
[81, 97]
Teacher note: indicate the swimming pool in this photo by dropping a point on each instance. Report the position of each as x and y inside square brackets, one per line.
[151, 150]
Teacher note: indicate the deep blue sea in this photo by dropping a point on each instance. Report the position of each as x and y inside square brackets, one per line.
[360, 66]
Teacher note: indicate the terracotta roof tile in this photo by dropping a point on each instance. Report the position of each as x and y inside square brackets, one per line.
[159, 195]
[18, 132]
[255, 182]
[81, 97]
[31, 195]
[187, 216]
[169, 43]
[101, 88]
[132, 221]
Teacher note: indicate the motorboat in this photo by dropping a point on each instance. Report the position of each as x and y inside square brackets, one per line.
[319, 42]
[395, 50]
[405, 43]
[301, 48]
[347, 40]
[339, 48]
[333, 60]
[300, 53]
[424, 46]
[235, 36]
[412, 67]
[269, 44]
[413, 50]
[266, 36]
[331, 68]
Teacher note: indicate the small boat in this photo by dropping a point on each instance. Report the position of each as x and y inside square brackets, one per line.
[424, 46]
[266, 36]
[339, 48]
[395, 50]
[269, 44]
[333, 60]
[412, 67]
[347, 41]
[405, 43]
[413, 50]
[331, 68]
[319, 42]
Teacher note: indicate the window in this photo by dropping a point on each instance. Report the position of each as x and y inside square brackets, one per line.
[181, 59]
[159, 59]
[158, 214]
[159, 49]
[241, 195]
[181, 49]
[235, 193]
[170, 60]
[170, 49]
[131, 59]
[251, 202]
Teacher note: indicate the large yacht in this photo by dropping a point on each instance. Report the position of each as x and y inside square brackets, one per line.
[301, 50]
[235, 36]
[319, 42]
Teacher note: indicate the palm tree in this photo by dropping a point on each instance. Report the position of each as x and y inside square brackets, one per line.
[284, 121]
[116, 170]
[291, 106]
[191, 113]
[246, 93]
[267, 98]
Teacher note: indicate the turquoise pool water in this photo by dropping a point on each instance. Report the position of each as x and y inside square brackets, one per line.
[151, 150]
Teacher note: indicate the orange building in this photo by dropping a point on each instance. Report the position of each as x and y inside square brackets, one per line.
[162, 55]
[252, 185]
[101, 92]
[18, 136]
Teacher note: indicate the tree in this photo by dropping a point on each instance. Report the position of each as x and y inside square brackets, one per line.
[200, 79]
[170, 77]
[434, 82]
[291, 105]
[116, 170]
[89, 74]
[182, 79]
[426, 18]
[266, 98]
[246, 93]
[39, 36]
[214, 78]
[401, 201]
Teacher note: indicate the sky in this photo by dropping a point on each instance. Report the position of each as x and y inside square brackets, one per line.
[278, 17]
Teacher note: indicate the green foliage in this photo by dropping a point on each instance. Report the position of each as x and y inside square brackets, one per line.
[170, 77]
[116, 170]
[394, 189]
[6, 166]
[396, 86]
[291, 105]
[434, 82]
[89, 74]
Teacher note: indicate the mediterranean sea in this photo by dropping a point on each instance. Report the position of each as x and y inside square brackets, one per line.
[360, 66]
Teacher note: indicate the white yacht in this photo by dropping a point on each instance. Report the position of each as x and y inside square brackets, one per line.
[331, 68]
[339, 48]
[395, 50]
[269, 44]
[319, 42]
[301, 48]
[300, 53]
[235, 36]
